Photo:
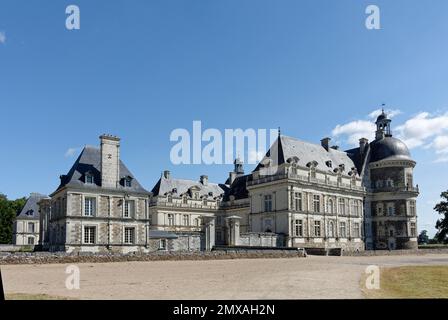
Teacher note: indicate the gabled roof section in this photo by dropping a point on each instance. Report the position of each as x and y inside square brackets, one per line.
[305, 153]
[181, 186]
[89, 161]
[31, 209]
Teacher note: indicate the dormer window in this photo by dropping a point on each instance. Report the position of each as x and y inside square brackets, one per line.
[329, 164]
[89, 178]
[126, 181]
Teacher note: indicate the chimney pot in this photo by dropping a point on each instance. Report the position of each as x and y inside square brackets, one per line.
[204, 180]
[325, 142]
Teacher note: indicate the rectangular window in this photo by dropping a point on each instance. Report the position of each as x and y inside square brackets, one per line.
[129, 235]
[162, 244]
[268, 203]
[186, 220]
[317, 228]
[316, 203]
[89, 235]
[356, 230]
[129, 208]
[390, 209]
[171, 219]
[89, 179]
[31, 227]
[298, 201]
[89, 206]
[341, 203]
[342, 230]
[298, 228]
[413, 229]
[412, 208]
[31, 240]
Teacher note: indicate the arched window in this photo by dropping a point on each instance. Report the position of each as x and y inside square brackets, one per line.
[330, 207]
[331, 229]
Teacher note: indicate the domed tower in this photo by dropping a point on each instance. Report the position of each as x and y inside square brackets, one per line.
[391, 215]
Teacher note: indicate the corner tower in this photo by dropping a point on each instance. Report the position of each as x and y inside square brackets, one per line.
[391, 214]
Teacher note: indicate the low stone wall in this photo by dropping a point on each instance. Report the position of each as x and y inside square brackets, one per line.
[15, 248]
[396, 252]
[255, 239]
[62, 257]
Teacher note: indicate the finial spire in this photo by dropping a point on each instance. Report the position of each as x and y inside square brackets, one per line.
[279, 132]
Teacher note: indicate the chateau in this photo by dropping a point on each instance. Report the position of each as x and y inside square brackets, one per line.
[300, 195]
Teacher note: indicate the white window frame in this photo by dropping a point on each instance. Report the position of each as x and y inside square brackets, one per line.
[268, 203]
[129, 206]
[95, 234]
[316, 203]
[134, 234]
[317, 228]
[92, 207]
[171, 219]
[163, 244]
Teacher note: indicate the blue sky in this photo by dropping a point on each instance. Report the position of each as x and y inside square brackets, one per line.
[139, 69]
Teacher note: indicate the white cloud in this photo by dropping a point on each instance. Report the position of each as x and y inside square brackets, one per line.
[390, 113]
[440, 144]
[71, 152]
[428, 131]
[425, 130]
[2, 37]
[355, 130]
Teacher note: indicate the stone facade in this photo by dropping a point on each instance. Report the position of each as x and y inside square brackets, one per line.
[300, 195]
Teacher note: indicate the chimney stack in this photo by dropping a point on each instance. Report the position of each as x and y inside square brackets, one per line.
[362, 145]
[204, 180]
[325, 142]
[232, 177]
[167, 174]
[110, 161]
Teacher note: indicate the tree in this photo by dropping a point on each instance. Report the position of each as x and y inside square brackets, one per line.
[442, 223]
[7, 215]
[423, 237]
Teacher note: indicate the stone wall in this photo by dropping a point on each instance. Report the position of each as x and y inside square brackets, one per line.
[262, 239]
[66, 258]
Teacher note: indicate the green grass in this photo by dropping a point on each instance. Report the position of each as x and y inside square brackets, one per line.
[26, 296]
[410, 282]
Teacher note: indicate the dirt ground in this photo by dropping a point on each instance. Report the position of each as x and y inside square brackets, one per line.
[313, 277]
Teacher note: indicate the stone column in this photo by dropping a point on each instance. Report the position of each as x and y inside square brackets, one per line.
[209, 231]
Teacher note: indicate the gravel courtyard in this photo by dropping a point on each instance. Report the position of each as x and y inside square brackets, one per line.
[292, 278]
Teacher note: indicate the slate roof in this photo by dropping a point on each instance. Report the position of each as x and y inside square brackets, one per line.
[389, 148]
[31, 209]
[89, 161]
[238, 188]
[181, 186]
[305, 152]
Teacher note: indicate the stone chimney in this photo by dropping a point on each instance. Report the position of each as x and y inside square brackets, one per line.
[362, 145]
[110, 161]
[167, 174]
[325, 143]
[232, 177]
[204, 180]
